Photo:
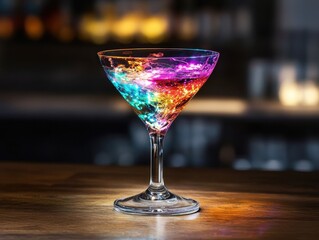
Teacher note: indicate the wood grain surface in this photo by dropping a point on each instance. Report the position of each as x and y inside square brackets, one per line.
[42, 201]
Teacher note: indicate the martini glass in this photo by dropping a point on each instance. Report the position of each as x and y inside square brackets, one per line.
[157, 83]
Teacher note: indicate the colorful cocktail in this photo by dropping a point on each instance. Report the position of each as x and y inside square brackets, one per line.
[157, 83]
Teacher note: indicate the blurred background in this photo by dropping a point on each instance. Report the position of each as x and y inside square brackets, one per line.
[259, 110]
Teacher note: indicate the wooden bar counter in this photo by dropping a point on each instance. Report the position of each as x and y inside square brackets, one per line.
[46, 201]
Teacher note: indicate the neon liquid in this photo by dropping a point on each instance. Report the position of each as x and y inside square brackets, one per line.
[156, 93]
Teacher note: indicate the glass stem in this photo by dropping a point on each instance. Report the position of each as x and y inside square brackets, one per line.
[156, 168]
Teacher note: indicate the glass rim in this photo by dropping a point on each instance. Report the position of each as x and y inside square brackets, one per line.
[209, 53]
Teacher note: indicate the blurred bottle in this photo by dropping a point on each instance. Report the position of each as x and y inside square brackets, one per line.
[310, 93]
[258, 80]
[295, 152]
[127, 20]
[115, 150]
[204, 136]
[310, 87]
[257, 152]
[290, 92]
[312, 152]
[60, 22]
[243, 23]
[199, 143]
[33, 24]
[181, 149]
[227, 156]
[276, 155]
[303, 159]
[140, 141]
[95, 26]
[242, 164]
[303, 165]
[187, 26]
[206, 29]
[7, 24]
[226, 30]
[156, 23]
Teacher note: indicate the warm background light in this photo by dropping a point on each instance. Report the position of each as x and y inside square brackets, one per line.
[290, 93]
[34, 27]
[94, 29]
[125, 29]
[154, 28]
[310, 93]
[6, 27]
[188, 27]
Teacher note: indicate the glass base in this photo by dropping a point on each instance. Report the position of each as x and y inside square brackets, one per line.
[156, 203]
